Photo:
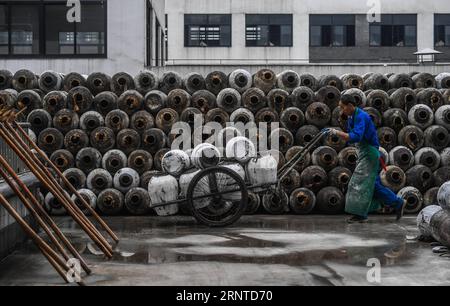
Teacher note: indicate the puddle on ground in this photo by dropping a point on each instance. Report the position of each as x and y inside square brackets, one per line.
[271, 240]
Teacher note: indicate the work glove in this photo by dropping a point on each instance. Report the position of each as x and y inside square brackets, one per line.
[333, 132]
[329, 132]
[326, 131]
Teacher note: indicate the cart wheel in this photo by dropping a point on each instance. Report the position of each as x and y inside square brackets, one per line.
[208, 202]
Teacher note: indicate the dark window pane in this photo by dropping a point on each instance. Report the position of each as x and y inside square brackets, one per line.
[257, 19]
[386, 35]
[375, 35]
[286, 35]
[280, 19]
[274, 35]
[320, 20]
[219, 19]
[351, 40]
[91, 30]
[343, 19]
[225, 36]
[25, 29]
[410, 36]
[326, 36]
[386, 19]
[59, 34]
[439, 36]
[214, 32]
[4, 34]
[442, 19]
[447, 35]
[404, 19]
[398, 36]
[257, 36]
[339, 36]
[316, 36]
[272, 30]
[196, 19]
[442, 30]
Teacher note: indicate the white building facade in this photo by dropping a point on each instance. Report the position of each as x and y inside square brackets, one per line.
[303, 14]
[317, 35]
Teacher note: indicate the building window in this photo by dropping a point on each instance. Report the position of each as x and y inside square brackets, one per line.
[90, 32]
[207, 30]
[24, 29]
[4, 32]
[394, 31]
[268, 30]
[332, 30]
[442, 30]
[40, 28]
[59, 34]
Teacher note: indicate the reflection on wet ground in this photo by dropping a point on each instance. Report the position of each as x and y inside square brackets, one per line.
[258, 250]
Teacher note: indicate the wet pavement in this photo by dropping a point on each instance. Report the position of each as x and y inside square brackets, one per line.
[258, 250]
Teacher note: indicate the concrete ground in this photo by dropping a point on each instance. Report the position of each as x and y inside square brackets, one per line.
[258, 250]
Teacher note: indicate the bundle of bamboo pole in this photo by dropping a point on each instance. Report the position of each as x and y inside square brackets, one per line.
[59, 249]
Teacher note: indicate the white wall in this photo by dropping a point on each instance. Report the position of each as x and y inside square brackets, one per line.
[299, 53]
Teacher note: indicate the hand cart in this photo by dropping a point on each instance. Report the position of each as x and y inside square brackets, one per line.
[218, 196]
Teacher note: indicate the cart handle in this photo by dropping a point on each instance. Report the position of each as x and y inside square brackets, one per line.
[287, 168]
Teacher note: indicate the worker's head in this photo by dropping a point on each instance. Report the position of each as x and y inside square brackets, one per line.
[347, 105]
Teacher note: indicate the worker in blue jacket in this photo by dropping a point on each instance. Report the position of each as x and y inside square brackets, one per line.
[365, 191]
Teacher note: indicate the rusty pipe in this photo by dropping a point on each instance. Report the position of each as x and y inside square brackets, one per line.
[46, 250]
[40, 210]
[41, 170]
[47, 179]
[32, 211]
[72, 189]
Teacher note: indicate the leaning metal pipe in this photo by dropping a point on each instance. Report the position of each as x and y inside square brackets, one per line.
[72, 189]
[46, 250]
[40, 210]
[48, 181]
[33, 212]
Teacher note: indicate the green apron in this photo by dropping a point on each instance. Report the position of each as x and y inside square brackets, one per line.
[359, 198]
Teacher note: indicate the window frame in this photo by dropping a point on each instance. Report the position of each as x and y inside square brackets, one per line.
[445, 25]
[332, 26]
[188, 26]
[392, 24]
[41, 4]
[268, 24]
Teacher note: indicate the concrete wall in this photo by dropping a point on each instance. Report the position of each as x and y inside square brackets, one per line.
[300, 52]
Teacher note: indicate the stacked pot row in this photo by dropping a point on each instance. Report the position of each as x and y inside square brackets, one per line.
[101, 124]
